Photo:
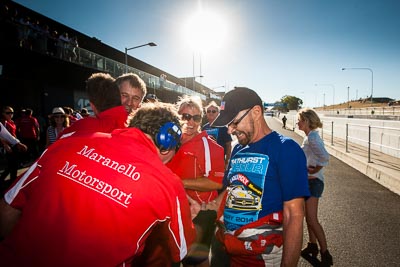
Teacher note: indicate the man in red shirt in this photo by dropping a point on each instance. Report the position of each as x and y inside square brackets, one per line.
[105, 101]
[132, 90]
[95, 199]
[28, 132]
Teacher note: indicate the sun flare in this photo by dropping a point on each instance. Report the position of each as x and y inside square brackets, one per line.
[205, 31]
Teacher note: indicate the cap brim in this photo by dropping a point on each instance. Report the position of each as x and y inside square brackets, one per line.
[222, 120]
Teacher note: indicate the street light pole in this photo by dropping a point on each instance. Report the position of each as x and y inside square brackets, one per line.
[127, 49]
[348, 95]
[333, 89]
[372, 77]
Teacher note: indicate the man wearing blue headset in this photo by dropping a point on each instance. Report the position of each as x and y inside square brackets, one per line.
[98, 199]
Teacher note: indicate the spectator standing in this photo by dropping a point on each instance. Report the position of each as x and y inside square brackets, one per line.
[63, 45]
[105, 101]
[261, 220]
[73, 47]
[87, 205]
[69, 112]
[59, 121]
[84, 113]
[12, 153]
[5, 135]
[220, 134]
[132, 89]
[28, 131]
[199, 162]
[317, 158]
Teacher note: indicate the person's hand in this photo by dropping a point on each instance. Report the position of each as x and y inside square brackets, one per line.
[21, 147]
[195, 207]
[311, 169]
[7, 148]
[212, 205]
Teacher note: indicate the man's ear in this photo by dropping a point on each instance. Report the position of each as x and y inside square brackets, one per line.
[257, 112]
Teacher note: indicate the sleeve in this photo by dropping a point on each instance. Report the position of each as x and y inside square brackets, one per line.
[182, 231]
[317, 146]
[217, 162]
[293, 171]
[16, 196]
[4, 134]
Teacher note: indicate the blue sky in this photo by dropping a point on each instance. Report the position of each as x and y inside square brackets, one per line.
[276, 47]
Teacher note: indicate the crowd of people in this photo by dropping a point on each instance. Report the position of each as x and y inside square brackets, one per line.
[31, 33]
[141, 182]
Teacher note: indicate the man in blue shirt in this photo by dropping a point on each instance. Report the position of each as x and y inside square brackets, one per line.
[220, 134]
[266, 186]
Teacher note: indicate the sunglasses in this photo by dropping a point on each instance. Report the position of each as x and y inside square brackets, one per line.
[58, 116]
[9, 112]
[212, 111]
[234, 124]
[187, 117]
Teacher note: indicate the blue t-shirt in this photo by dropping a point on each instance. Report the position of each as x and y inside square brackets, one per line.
[261, 176]
[220, 134]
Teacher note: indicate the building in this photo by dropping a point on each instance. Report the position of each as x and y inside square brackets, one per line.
[40, 71]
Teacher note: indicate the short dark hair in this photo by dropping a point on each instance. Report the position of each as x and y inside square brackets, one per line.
[102, 91]
[134, 80]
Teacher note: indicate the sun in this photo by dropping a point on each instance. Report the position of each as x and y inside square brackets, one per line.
[205, 31]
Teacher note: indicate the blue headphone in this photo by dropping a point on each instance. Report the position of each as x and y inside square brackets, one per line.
[168, 137]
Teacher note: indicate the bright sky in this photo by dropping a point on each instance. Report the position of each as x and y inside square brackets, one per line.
[276, 47]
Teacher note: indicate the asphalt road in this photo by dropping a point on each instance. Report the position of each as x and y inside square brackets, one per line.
[360, 217]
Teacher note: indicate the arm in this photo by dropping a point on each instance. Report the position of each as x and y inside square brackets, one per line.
[8, 218]
[293, 216]
[228, 147]
[201, 184]
[5, 135]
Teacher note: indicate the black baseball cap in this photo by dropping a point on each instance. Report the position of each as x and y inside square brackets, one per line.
[234, 101]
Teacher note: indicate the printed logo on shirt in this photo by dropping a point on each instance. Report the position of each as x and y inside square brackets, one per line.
[213, 132]
[244, 193]
[73, 172]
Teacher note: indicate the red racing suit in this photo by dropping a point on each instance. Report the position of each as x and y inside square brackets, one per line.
[190, 162]
[105, 122]
[246, 244]
[94, 200]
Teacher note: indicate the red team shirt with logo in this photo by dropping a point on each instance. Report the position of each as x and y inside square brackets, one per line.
[89, 205]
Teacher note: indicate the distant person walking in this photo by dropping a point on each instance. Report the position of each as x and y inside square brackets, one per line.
[317, 158]
[284, 119]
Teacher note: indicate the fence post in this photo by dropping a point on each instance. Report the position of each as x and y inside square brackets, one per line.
[332, 135]
[322, 132]
[369, 144]
[347, 137]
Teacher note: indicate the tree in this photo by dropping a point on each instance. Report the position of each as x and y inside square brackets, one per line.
[293, 102]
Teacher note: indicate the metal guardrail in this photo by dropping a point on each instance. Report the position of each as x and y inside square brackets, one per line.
[378, 138]
[363, 135]
[388, 110]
